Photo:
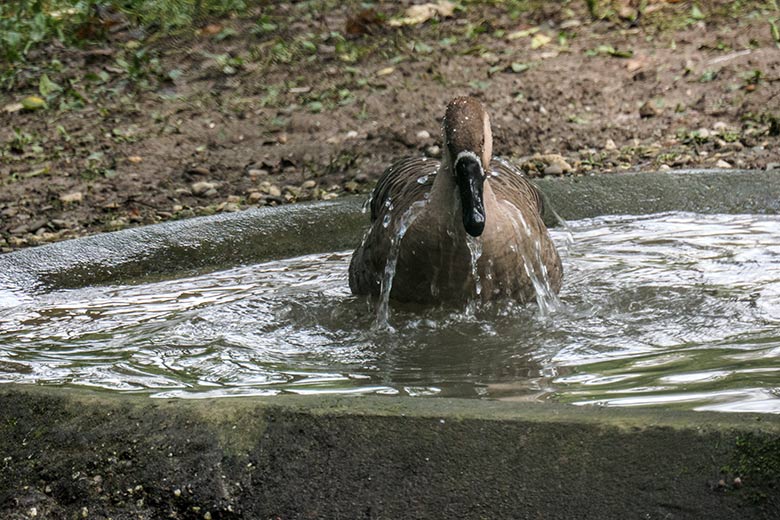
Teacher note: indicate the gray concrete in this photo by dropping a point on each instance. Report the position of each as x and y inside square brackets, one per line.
[252, 236]
[80, 454]
[372, 457]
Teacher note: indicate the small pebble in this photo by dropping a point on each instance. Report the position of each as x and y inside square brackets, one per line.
[737, 482]
[203, 188]
[177, 492]
[664, 168]
[74, 197]
[703, 133]
[20, 230]
[281, 139]
[719, 125]
[423, 135]
[254, 197]
[610, 145]
[352, 134]
[647, 110]
[198, 170]
[254, 173]
[722, 164]
[309, 184]
[433, 151]
[351, 186]
[58, 223]
[553, 169]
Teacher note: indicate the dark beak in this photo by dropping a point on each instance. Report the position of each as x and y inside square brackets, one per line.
[470, 178]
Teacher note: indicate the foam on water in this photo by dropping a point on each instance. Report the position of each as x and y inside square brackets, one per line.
[676, 310]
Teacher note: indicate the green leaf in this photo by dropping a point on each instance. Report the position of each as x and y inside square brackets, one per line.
[696, 13]
[33, 103]
[47, 87]
[708, 75]
[775, 32]
[227, 32]
[520, 67]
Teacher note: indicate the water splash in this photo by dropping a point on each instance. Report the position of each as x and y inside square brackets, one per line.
[403, 224]
[388, 218]
[546, 298]
[475, 248]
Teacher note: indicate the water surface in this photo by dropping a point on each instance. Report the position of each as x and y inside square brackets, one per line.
[676, 310]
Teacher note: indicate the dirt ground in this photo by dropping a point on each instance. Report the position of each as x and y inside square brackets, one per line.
[296, 101]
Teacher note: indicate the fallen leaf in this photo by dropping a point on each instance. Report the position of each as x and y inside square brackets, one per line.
[363, 22]
[385, 71]
[13, 107]
[522, 34]
[135, 159]
[520, 67]
[540, 40]
[33, 103]
[211, 29]
[418, 14]
[46, 86]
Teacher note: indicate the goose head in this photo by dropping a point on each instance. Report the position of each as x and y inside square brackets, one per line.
[468, 145]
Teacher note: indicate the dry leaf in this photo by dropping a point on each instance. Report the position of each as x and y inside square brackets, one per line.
[540, 40]
[522, 34]
[417, 14]
[211, 29]
[13, 107]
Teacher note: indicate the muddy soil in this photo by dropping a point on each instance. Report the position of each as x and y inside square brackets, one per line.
[311, 100]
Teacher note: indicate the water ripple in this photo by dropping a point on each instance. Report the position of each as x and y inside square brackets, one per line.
[676, 310]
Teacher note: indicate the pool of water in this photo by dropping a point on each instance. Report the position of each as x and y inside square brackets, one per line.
[674, 309]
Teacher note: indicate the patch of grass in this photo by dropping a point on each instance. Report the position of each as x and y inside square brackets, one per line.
[27, 24]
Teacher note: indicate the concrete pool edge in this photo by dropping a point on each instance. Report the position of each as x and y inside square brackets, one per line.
[255, 235]
[127, 456]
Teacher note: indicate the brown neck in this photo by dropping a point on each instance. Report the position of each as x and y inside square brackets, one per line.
[444, 204]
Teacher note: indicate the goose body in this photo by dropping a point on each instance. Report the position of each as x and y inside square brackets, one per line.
[464, 229]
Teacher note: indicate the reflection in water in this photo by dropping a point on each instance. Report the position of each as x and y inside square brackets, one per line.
[677, 309]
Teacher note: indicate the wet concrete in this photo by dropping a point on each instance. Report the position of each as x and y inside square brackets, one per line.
[74, 454]
[80, 454]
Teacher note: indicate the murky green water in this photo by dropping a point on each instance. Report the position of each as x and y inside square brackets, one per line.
[675, 309]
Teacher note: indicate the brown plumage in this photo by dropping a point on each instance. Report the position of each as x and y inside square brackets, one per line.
[453, 212]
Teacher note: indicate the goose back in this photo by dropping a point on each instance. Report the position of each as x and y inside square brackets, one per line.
[435, 266]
